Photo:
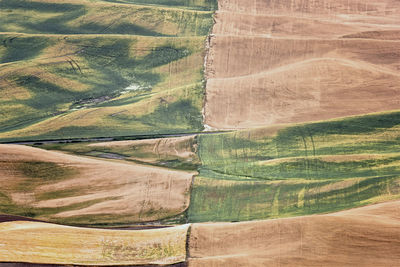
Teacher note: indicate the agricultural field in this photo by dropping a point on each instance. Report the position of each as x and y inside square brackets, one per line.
[101, 17]
[37, 242]
[200, 132]
[78, 190]
[366, 236]
[99, 69]
[294, 61]
[293, 170]
[173, 153]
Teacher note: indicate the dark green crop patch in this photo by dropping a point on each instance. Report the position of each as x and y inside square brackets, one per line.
[22, 48]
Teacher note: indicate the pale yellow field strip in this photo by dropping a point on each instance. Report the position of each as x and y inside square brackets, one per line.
[37, 242]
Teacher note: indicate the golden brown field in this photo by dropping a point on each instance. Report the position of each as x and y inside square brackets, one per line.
[367, 236]
[80, 190]
[36, 242]
[296, 61]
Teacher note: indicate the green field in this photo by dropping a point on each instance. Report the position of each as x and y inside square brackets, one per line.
[297, 170]
[101, 17]
[100, 69]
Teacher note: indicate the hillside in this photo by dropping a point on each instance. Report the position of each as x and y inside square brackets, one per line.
[37, 242]
[297, 169]
[174, 152]
[360, 237]
[297, 61]
[69, 189]
[95, 68]
[200, 132]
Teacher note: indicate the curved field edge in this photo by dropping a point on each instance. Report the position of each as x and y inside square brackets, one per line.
[37, 242]
[93, 66]
[172, 152]
[78, 190]
[140, 85]
[343, 238]
[294, 170]
[278, 171]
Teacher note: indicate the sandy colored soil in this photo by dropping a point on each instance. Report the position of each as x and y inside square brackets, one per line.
[368, 236]
[36, 242]
[154, 150]
[295, 61]
[95, 187]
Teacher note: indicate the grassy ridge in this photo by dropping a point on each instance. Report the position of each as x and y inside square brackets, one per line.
[111, 76]
[297, 170]
[86, 17]
[329, 149]
[223, 200]
[94, 68]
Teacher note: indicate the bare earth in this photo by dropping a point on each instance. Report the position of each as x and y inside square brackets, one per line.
[112, 187]
[294, 61]
[368, 236]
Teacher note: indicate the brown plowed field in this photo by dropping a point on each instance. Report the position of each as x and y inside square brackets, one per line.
[295, 61]
[56, 186]
[368, 236]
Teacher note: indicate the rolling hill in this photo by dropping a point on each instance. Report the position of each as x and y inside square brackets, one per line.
[79, 190]
[38, 242]
[300, 165]
[298, 61]
[95, 68]
[366, 236]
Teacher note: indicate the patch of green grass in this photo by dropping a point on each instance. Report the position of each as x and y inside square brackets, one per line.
[182, 111]
[299, 151]
[99, 18]
[135, 84]
[21, 48]
[298, 170]
[212, 200]
[102, 70]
